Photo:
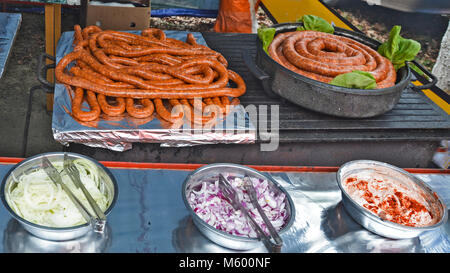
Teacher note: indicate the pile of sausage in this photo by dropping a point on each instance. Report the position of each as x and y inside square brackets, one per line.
[118, 72]
[323, 56]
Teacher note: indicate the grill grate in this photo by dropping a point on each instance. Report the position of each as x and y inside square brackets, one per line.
[414, 117]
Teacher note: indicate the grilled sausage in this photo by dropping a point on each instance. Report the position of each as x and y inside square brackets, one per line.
[125, 72]
[323, 56]
[77, 102]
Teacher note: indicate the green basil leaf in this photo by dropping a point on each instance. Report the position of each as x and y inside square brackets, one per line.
[407, 51]
[398, 49]
[266, 36]
[390, 47]
[312, 22]
[355, 79]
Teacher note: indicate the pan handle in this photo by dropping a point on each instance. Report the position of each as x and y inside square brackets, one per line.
[259, 74]
[426, 72]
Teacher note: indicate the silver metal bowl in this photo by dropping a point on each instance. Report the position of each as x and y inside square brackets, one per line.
[109, 187]
[381, 226]
[193, 182]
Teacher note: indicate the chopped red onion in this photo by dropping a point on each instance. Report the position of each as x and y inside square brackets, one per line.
[212, 207]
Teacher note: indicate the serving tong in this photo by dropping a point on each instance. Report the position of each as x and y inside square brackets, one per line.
[232, 197]
[248, 186]
[96, 220]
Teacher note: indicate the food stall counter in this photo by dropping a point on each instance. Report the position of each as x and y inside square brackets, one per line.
[150, 215]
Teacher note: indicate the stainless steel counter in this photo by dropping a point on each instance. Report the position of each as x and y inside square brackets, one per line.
[150, 217]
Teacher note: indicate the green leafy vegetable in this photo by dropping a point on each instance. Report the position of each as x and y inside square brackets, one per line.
[266, 36]
[355, 79]
[398, 49]
[312, 22]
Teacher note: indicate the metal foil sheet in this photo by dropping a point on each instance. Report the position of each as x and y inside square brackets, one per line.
[150, 216]
[9, 25]
[118, 133]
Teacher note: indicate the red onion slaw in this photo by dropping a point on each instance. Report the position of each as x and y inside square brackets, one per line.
[213, 208]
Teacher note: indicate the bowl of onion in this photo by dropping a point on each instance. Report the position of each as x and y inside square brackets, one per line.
[215, 217]
[43, 208]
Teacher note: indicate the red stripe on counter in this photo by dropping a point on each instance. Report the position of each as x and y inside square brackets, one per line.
[144, 165]
[191, 167]
[10, 160]
[262, 168]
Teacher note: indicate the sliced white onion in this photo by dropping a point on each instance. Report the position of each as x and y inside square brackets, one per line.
[38, 200]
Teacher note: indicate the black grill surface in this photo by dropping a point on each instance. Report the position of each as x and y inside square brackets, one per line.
[415, 117]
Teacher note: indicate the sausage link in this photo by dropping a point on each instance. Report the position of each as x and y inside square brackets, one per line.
[167, 115]
[77, 102]
[154, 33]
[192, 116]
[87, 31]
[124, 61]
[159, 58]
[127, 71]
[323, 56]
[198, 104]
[144, 111]
[148, 91]
[111, 109]
[77, 35]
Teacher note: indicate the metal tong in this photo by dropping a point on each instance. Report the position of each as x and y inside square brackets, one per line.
[248, 185]
[96, 221]
[99, 219]
[230, 194]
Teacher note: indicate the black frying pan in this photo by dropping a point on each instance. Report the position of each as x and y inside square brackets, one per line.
[322, 97]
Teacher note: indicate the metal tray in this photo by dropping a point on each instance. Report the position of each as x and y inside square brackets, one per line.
[120, 133]
[9, 26]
